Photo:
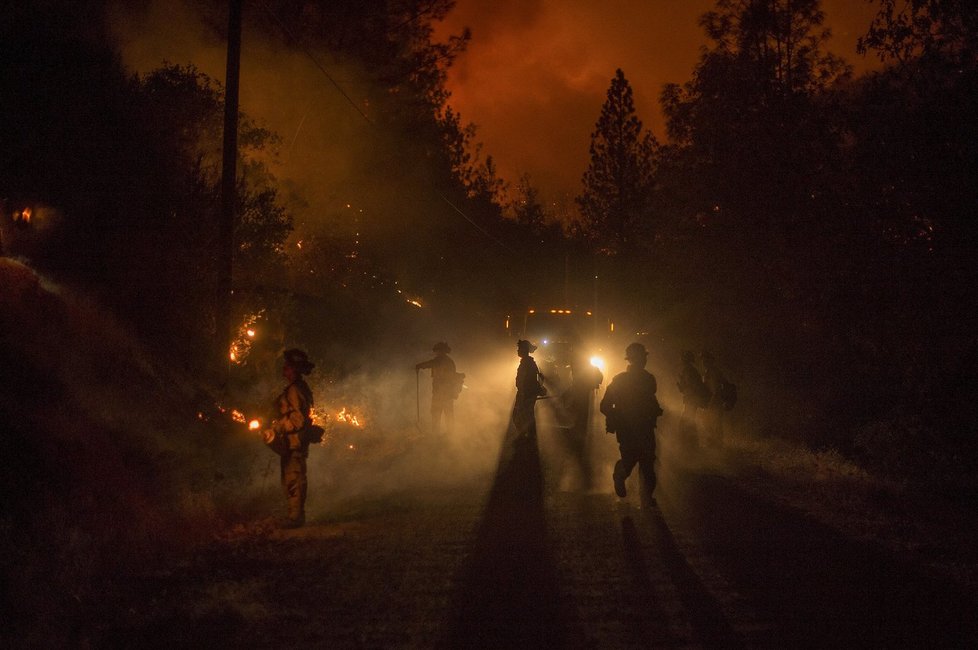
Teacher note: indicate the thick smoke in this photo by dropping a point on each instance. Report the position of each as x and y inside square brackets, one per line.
[333, 163]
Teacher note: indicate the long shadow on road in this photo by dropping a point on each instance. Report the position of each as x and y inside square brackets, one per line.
[707, 622]
[507, 594]
[816, 587]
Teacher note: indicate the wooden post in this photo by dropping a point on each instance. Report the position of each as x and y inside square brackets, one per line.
[225, 254]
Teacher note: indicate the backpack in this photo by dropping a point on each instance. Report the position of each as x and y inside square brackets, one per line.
[458, 384]
[726, 394]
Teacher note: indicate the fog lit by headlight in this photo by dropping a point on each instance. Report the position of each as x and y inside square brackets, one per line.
[598, 363]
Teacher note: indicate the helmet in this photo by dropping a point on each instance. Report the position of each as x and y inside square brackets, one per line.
[441, 346]
[298, 360]
[636, 351]
[525, 345]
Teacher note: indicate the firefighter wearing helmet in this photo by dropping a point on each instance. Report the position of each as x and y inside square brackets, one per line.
[443, 387]
[529, 387]
[288, 435]
[631, 409]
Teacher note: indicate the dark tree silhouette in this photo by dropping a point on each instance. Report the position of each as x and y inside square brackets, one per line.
[747, 121]
[906, 29]
[618, 183]
[526, 206]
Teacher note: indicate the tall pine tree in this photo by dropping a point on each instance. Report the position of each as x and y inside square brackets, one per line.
[616, 197]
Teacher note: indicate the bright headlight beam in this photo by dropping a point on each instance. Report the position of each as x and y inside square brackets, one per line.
[598, 363]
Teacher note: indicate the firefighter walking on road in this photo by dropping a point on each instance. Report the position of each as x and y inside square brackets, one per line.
[722, 398]
[529, 387]
[578, 399]
[631, 409]
[443, 388]
[695, 394]
[288, 435]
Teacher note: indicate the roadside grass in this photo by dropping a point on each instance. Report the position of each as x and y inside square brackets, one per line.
[913, 524]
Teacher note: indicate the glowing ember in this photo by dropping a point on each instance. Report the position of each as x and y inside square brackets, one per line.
[238, 416]
[23, 215]
[416, 303]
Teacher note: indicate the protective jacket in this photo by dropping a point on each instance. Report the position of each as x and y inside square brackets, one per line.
[528, 386]
[631, 407]
[442, 377]
[294, 407]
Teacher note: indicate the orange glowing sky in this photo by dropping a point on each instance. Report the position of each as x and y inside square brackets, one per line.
[536, 72]
[533, 78]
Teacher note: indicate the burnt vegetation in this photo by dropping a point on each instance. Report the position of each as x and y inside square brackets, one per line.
[818, 229]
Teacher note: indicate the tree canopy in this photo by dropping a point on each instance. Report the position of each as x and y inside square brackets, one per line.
[617, 187]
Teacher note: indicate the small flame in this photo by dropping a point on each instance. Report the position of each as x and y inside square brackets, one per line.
[254, 425]
[349, 417]
[238, 416]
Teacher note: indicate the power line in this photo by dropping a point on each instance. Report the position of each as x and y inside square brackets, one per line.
[316, 62]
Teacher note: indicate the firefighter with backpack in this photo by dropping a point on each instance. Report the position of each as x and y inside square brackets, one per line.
[723, 396]
[631, 411]
[446, 384]
[695, 394]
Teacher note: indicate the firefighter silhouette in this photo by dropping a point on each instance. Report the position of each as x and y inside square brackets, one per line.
[578, 400]
[444, 381]
[288, 435]
[631, 410]
[529, 387]
[695, 394]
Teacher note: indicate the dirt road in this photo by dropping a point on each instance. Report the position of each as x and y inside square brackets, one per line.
[513, 562]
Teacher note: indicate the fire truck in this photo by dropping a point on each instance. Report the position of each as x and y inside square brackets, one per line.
[560, 332]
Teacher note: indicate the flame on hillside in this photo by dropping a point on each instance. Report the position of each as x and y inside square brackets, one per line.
[243, 338]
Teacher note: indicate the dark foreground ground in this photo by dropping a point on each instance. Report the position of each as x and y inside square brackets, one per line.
[513, 562]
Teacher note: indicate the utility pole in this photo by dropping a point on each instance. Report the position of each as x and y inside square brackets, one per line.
[225, 270]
